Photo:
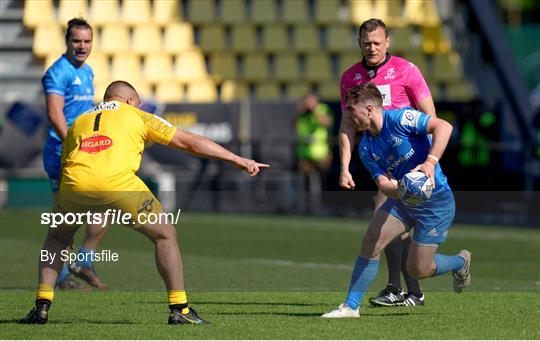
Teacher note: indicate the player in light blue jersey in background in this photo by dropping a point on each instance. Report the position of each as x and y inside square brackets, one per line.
[69, 92]
[394, 143]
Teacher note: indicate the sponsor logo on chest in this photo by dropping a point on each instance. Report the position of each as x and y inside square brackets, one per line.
[95, 144]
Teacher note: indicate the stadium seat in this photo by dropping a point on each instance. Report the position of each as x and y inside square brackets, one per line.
[232, 90]
[212, 38]
[297, 90]
[447, 67]
[190, 66]
[306, 38]
[223, 66]
[69, 9]
[38, 13]
[401, 40]
[99, 90]
[233, 11]
[202, 11]
[48, 39]
[267, 91]
[244, 38]
[459, 91]
[170, 92]
[142, 86]
[203, 91]
[166, 12]
[275, 38]
[295, 11]
[178, 37]
[421, 12]
[100, 65]
[50, 59]
[114, 39]
[146, 39]
[434, 40]
[327, 11]
[263, 11]
[317, 67]
[287, 67]
[360, 11]
[346, 60]
[104, 12]
[391, 12]
[341, 38]
[418, 59]
[126, 65]
[157, 67]
[329, 91]
[255, 67]
[136, 12]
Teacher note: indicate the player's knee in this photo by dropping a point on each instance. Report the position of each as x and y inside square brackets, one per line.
[418, 272]
[164, 233]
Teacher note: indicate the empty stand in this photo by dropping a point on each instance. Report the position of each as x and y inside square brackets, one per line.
[38, 13]
[104, 12]
[69, 9]
[114, 39]
[136, 12]
[48, 39]
[178, 37]
[146, 39]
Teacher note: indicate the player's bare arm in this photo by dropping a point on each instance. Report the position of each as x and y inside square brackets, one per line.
[201, 146]
[388, 185]
[346, 144]
[427, 106]
[441, 131]
[55, 113]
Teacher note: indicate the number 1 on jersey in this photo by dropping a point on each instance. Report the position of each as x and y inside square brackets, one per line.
[96, 122]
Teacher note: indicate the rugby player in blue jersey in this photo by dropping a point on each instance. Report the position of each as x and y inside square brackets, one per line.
[394, 143]
[69, 92]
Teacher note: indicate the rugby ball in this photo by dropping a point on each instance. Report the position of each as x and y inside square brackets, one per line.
[415, 188]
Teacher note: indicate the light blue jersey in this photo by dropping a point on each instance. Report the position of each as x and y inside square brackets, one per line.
[77, 88]
[403, 144]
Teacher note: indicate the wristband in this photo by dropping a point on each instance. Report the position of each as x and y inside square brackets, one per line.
[432, 159]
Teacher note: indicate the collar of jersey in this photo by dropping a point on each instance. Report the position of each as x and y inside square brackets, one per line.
[364, 64]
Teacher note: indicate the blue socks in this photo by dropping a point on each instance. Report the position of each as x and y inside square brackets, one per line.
[446, 263]
[88, 256]
[363, 274]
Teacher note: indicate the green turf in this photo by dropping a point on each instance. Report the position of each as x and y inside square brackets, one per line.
[270, 277]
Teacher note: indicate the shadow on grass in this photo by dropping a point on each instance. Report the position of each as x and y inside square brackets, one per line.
[241, 303]
[78, 321]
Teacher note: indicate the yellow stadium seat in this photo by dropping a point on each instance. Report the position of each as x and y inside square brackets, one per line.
[346, 60]
[166, 12]
[341, 38]
[178, 37]
[297, 90]
[329, 91]
[418, 59]
[327, 11]
[295, 11]
[361, 10]
[287, 67]
[126, 66]
[223, 66]
[190, 66]
[255, 67]
[100, 65]
[244, 38]
[213, 38]
[158, 67]
[275, 38]
[48, 39]
[136, 12]
[104, 12]
[99, 90]
[390, 12]
[203, 91]
[114, 39]
[447, 67]
[233, 11]
[69, 9]
[434, 40]
[142, 86]
[306, 38]
[202, 11]
[318, 67]
[267, 91]
[401, 40]
[460, 91]
[170, 92]
[146, 39]
[263, 11]
[232, 90]
[422, 12]
[38, 12]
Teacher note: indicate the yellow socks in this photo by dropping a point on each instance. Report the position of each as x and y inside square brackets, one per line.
[45, 292]
[178, 298]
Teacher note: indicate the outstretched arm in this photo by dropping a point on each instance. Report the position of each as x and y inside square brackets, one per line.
[201, 146]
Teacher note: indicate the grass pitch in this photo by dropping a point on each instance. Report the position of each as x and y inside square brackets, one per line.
[270, 277]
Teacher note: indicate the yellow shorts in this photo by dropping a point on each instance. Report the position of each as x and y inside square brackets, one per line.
[136, 202]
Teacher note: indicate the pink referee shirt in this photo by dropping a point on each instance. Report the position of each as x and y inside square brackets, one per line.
[400, 82]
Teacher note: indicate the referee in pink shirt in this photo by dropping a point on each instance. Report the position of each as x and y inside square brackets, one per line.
[402, 85]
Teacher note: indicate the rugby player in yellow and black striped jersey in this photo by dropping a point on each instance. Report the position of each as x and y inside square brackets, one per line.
[101, 153]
